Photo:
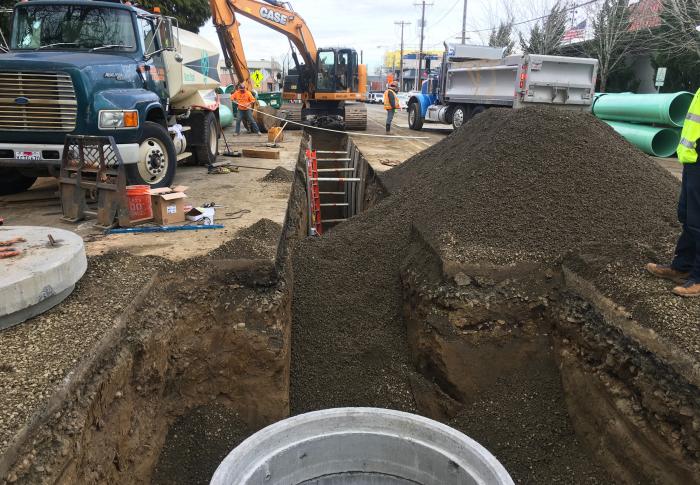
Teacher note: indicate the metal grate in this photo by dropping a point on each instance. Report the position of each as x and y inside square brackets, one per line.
[37, 101]
[93, 148]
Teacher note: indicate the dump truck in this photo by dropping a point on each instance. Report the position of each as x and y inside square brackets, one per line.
[104, 68]
[474, 78]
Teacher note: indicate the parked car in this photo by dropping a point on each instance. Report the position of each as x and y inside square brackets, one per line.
[403, 100]
[376, 97]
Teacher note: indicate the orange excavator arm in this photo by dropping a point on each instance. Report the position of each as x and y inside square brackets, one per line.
[273, 14]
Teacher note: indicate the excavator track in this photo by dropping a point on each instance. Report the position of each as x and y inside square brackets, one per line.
[293, 114]
[355, 117]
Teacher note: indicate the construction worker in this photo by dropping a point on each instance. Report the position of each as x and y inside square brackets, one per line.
[685, 268]
[245, 100]
[391, 103]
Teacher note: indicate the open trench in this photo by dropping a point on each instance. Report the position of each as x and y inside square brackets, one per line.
[528, 360]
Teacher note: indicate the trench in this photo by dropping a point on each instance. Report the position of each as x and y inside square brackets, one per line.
[528, 360]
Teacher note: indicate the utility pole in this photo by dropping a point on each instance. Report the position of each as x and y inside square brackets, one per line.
[419, 71]
[402, 24]
[464, 23]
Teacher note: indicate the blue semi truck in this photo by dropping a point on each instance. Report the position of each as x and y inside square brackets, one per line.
[104, 68]
[472, 79]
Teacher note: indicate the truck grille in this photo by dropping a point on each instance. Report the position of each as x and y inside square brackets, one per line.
[37, 101]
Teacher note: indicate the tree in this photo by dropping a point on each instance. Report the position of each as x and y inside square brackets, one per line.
[546, 35]
[613, 40]
[191, 14]
[503, 36]
[675, 33]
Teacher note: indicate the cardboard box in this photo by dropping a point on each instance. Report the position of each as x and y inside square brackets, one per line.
[168, 205]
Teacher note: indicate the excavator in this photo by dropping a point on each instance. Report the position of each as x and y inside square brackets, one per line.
[325, 89]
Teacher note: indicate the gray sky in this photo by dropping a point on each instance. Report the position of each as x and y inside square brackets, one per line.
[368, 25]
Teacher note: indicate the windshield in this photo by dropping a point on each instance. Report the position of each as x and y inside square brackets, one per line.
[73, 27]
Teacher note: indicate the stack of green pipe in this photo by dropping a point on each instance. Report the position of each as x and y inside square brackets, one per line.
[631, 114]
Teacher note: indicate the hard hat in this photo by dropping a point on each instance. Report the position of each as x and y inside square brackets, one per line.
[241, 86]
[394, 85]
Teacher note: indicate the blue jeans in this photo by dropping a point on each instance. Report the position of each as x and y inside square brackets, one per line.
[688, 248]
[246, 114]
[389, 117]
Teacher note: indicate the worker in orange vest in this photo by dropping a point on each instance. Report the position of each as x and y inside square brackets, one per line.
[391, 103]
[245, 100]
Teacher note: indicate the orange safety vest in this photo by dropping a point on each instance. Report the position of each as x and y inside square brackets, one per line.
[387, 101]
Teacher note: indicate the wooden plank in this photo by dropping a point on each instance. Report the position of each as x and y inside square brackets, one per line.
[253, 153]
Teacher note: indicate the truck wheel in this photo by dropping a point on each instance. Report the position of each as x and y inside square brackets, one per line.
[459, 116]
[206, 154]
[415, 120]
[477, 110]
[157, 159]
[12, 181]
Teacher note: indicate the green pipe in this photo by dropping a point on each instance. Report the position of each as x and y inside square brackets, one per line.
[659, 142]
[665, 109]
[225, 116]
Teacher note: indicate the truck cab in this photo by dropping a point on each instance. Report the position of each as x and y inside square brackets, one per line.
[95, 68]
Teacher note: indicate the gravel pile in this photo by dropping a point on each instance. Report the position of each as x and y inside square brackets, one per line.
[526, 185]
[258, 241]
[535, 183]
[279, 175]
[197, 443]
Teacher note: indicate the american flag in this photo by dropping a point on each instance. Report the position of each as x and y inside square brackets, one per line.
[576, 32]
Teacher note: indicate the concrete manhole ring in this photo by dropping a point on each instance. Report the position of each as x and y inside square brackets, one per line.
[42, 275]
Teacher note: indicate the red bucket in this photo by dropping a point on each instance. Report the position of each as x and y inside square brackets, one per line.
[139, 202]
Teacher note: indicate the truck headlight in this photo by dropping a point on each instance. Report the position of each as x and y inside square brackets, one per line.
[113, 119]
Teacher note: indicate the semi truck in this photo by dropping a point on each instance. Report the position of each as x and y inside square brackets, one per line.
[105, 68]
[473, 78]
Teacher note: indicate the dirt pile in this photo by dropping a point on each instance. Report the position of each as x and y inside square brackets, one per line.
[527, 185]
[536, 183]
[279, 175]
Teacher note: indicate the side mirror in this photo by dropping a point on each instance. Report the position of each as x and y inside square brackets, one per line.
[178, 57]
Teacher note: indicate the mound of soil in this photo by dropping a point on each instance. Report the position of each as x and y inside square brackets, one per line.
[258, 241]
[536, 182]
[527, 185]
[279, 175]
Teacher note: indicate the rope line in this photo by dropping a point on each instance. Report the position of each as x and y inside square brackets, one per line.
[349, 133]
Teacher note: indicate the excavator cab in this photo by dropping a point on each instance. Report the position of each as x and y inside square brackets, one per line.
[337, 71]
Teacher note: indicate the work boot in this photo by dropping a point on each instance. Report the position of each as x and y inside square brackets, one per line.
[388, 128]
[689, 289]
[667, 273]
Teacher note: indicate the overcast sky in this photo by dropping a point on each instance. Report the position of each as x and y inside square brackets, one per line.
[368, 25]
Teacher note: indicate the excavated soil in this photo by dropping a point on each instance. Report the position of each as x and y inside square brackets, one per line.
[532, 185]
[279, 175]
[31, 368]
[197, 443]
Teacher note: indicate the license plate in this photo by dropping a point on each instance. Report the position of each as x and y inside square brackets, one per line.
[20, 155]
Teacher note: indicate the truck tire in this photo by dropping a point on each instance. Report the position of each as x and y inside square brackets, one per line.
[459, 116]
[157, 159]
[415, 120]
[477, 110]
[12, 181]
[206, 154]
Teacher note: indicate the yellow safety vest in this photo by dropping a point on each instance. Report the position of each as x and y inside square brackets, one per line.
[687, 152]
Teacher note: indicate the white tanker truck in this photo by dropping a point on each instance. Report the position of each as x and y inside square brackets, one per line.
[104, 68]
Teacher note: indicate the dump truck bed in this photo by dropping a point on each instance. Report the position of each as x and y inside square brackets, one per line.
[518, 81]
